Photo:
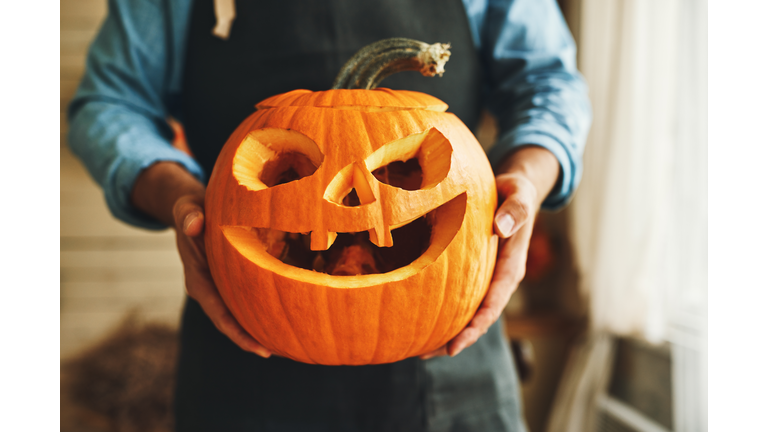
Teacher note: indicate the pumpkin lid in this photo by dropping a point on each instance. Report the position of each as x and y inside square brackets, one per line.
[379, 99]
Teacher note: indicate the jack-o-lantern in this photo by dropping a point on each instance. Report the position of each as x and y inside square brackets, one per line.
[353, 226]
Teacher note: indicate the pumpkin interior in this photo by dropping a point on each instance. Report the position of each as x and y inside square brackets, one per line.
[352, 254]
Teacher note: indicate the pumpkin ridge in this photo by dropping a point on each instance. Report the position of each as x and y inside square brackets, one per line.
[464, 308]
[331, 327]
[410, 349]
[290, 324]
[375, 353]
[439, 314]
[378, 98]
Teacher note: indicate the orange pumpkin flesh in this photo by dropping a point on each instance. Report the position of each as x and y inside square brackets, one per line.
[321, 170]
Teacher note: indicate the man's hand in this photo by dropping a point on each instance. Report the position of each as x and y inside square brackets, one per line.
[526, 179]
[172, 195]
[189, 225]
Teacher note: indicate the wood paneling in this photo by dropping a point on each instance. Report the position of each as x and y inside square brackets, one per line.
[72, 65]
[76, 41]
[82, 14]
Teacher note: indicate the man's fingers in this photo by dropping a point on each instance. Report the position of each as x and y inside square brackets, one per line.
[443, 350]
[188, 215]
[479, 325]
[510, 269]
[189, 218]
[193, 223]
[225, 322]
[510, 263]
[513, 222]
[227, 325]
[510, 266]
[517, 207]
[488, 313]
[204, 292]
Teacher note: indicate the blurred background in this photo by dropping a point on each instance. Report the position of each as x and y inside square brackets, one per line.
[110, 272]
[609, 326]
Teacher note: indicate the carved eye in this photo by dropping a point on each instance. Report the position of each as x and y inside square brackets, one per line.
[419, 161]
[406, 175]
[271, 157]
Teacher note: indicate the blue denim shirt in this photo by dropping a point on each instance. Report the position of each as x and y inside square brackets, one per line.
[134, 70]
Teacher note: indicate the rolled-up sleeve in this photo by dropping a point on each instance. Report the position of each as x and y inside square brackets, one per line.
[534, 89]
[118, 117]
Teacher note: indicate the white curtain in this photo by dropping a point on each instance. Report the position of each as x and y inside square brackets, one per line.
[639, 217]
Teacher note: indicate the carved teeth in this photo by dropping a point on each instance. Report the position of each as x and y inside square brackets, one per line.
[381, 237]
[321, 240]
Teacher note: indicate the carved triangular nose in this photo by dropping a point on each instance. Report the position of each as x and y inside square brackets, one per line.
[355, 177]
[381, 236]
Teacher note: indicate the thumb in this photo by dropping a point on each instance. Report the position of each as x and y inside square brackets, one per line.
[513, 213]
[194, 223]
[189, 218]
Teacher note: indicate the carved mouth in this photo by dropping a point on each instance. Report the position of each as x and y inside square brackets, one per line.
[352, 254]
[352, 260]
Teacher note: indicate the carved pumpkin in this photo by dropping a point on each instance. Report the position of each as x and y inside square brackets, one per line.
[352, 226]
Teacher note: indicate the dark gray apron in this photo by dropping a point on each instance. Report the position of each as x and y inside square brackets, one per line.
[281, 45]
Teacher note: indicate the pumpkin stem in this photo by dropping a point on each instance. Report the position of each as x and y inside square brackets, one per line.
[376, 61]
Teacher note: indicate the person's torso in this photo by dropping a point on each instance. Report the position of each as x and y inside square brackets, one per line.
[275, 47]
